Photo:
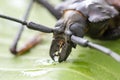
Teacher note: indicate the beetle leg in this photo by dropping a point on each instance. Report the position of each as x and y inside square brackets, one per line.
[13, 47]
[50, 8]
[26, 47]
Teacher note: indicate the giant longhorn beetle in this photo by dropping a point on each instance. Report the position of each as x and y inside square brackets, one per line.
[98, 19]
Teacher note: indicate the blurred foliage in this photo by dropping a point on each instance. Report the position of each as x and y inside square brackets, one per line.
[83, 63]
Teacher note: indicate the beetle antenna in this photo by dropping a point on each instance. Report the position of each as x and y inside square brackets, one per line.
[13, 19]
[30, 25]
[86, 43]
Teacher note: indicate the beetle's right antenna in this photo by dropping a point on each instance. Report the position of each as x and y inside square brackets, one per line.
[85, 43]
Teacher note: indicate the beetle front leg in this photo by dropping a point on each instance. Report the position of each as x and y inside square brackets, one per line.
[14, 45]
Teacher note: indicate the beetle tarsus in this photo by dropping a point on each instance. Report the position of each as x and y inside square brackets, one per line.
[13, 50]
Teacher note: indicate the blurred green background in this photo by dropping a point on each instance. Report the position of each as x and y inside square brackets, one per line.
[83, 63]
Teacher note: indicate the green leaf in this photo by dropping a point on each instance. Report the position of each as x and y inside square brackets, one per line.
[83, 63]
